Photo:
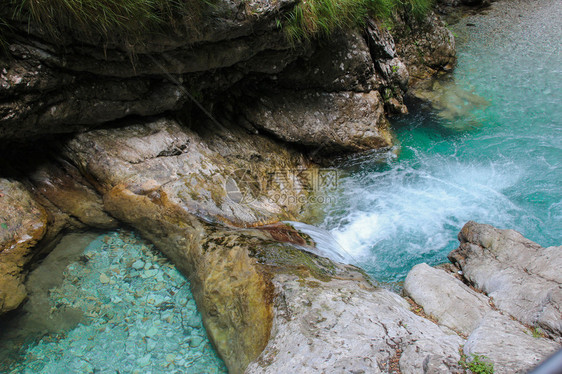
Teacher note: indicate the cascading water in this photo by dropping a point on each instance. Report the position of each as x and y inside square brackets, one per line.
[492, 153]
[325, 244]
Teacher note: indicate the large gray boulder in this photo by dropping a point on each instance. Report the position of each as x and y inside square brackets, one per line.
[342, 121]
[523, 278]
[446, 298]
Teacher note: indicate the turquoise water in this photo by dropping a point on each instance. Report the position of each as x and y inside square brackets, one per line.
[137, 315]
[497, 162]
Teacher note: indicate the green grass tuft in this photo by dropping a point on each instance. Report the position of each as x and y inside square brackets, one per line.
[312, 18]
[113, 20]
[477, 365]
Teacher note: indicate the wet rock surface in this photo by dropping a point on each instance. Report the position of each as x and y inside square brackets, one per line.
[23, 223]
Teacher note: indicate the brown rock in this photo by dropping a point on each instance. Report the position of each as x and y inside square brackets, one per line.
[22, 225]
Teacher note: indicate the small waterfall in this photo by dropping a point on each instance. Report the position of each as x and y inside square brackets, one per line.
[325, 244]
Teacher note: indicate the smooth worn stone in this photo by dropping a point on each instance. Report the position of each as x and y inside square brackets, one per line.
[152, 331]
[510, 346]
[23, 223]
[63, 186]
[145, 360]
[522, 278]
[446, 298]
[138, 264]
[104, 278]
[347, 326]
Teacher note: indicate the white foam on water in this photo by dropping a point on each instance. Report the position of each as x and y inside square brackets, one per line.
[418, 210]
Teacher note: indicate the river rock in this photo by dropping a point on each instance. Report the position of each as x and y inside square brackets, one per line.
[446, 298]
[327, 122]
[349, 326]
[62, 185]
[153, 177]
[521, 277]
[23, 223]
[197, 182]
[520, 282]
[104, 278]
[509, 345]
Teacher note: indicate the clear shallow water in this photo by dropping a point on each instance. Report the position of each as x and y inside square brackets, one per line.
[134, 313]
[498, 163]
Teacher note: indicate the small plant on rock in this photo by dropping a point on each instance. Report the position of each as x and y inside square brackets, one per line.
[478, 364]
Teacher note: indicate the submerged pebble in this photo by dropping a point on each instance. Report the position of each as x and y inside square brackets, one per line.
[131, 324]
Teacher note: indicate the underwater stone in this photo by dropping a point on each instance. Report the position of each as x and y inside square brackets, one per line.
[145, 360]
[139, 264]
[195, 342]
[104, 278]
[152, 331]
[150, 273]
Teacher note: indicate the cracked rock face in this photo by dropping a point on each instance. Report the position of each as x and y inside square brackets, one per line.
[523, 278]
[513, 318]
